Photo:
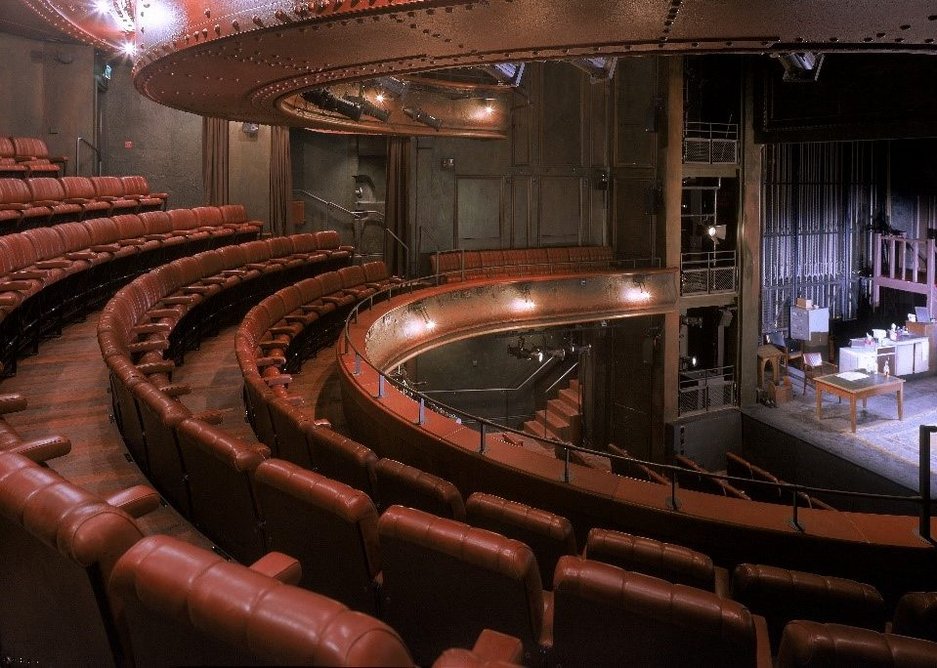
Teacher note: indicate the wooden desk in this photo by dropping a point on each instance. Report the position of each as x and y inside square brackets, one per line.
[862, 388]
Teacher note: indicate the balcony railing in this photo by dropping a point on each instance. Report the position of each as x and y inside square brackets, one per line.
[704, 273]
[711, 143]
[704, 390]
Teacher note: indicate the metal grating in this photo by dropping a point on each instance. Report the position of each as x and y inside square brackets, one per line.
[820, 200]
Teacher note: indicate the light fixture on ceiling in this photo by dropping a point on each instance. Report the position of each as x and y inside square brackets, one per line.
[801, 66]
[599, 67]
[368, 108]
[509, 74]
[391, 86]
[323, 99]
[489, 105]
[423, 117]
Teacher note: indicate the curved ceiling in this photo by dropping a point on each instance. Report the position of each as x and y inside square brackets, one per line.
[250, 60]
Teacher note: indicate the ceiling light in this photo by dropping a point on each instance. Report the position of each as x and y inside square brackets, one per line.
[489, 106]
[323, 99]
[802, 66]
[368, 108]
[422, 117]
[599, 68]
[392, 86]
[128, 48]
[509, 74]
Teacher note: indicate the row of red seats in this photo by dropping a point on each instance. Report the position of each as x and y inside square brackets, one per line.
[51, 274]
[34, 202]
[459, 265]
[778, 594]
[141, 601]
[28, 156]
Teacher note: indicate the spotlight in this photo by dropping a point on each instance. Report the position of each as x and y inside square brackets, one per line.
[801, 66]
[509, 74]
[392, 86]
[102, 6]
[128, 49]
[489, 106]
[422, 117]
[368, 108]
[326, 100]
[599, 68]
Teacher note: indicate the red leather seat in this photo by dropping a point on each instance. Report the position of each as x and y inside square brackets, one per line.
[33, 153]
[9, 168]
[399, 484]
[604, 615]
[329, 527]
[445, 581]
[80, 190]
[342, 458]
[549, 536]
[111, 189]
[17, 209]
[807, 644]
[178, 604]
[136, 187]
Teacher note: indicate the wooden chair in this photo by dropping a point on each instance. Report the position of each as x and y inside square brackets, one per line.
[814, 365]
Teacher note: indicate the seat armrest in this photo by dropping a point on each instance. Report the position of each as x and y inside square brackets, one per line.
[278, 330]
[282, 379]
[151, 328]
[495, 646]
[15, 286]
[270, 360]
[106, 248]
[80, 255]
[43, 449]
[149, 368]
[12, 403]
[147, 346]
[136, 501]
[157, 313]
[26, 275]
[280, 567]
[175, 389]
[53, 264]
[178, 299]
[210, 416]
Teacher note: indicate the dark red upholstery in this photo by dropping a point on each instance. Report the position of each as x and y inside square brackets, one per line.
[549, 536]
[329, 527]
[58, 545]
[445, 581]
[178, 604]
[916, 615]
[673, 563]
[781, 595]
[807, 644]
[604, 615]
[399, 484]
[342, 458]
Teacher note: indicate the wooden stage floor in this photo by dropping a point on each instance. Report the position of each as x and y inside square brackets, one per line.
[882, 444]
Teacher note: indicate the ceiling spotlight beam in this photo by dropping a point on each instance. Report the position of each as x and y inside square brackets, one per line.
[422, 117]
[801, 66]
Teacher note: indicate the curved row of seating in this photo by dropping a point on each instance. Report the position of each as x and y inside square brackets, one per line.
[38, 201]
[49, 275]
[460, 265]
[25, 156]
[83, 586]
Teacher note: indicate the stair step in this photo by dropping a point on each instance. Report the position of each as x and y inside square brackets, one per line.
[570, 396]
[536, 428]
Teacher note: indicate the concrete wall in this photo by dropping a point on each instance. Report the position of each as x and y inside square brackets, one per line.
[165, 145]
[249, 169]
[46, 91]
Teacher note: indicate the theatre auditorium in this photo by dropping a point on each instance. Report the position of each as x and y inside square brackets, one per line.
[468, 333]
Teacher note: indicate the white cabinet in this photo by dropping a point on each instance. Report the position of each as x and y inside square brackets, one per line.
[912, 355]
[806, 322]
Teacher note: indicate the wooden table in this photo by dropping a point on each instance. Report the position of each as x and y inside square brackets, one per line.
[870, 385]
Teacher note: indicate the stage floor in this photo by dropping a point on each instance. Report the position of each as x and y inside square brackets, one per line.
[882, 444]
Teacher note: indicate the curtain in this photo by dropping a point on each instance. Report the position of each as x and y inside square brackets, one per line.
[215, 160]
[281, 180]
[397, 205]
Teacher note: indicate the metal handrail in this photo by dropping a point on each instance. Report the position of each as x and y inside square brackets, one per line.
[358, 216]
[78, 142]
[923, 499]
